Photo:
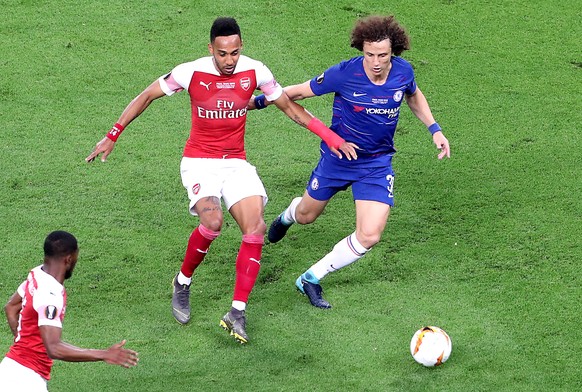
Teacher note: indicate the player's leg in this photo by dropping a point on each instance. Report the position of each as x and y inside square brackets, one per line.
[248, 213]
[373, 197]
[203, 186]
[210, 212]
[245, 198]
[306, 209]
[371, 217]
[303, 210]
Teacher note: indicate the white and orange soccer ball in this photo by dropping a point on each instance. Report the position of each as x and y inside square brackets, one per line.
[431, 346]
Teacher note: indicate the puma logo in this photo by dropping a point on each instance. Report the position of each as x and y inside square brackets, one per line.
[206, 85]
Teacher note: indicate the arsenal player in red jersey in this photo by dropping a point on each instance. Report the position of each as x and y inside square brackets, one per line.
[214, 165]
[35, 314]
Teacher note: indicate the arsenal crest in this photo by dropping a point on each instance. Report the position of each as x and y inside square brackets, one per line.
[245, 83]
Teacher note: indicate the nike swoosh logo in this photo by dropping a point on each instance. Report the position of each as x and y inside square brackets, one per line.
[359, 94]
[179, 312]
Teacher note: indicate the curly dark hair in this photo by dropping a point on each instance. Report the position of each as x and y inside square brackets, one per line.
[379, 28]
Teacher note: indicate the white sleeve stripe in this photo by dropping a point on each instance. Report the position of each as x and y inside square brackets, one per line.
[20, 289]
[50, 323]
[275, 94]
[164, 86]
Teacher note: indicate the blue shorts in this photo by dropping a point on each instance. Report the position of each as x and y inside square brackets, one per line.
[368, 183]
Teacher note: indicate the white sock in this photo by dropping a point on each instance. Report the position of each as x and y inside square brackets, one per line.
[343, 253]
[182, 279]
[289, 214]
[239, 305]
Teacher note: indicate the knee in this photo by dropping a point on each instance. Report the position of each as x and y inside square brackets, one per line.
[261, 228]
[368, 239]
[305, 217]
[212, 223]
[257, 228]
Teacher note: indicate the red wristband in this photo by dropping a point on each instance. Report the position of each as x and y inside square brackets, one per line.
[327, 135]
[114, 133]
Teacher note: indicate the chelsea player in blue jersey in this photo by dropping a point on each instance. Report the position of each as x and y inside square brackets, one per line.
[368, 92]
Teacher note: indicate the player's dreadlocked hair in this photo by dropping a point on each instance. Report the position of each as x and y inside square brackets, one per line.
[378, 28]
[223, 27]
[59, 244]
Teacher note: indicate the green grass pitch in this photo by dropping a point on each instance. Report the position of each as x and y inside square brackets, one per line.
[485, 245]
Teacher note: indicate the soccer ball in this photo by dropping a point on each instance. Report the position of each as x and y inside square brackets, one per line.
[430, 346]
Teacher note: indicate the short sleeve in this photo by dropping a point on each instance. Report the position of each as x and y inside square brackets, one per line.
[328, 82]
[49, 306]
[267, 84]
[177, 80]
[411, 87]
[20, 289]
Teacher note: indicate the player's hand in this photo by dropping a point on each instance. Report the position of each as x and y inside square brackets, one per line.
[349, 150]
[251, 104]
[442, 144]
[117, 355]
[105, 146]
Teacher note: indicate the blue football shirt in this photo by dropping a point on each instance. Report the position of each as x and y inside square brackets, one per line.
[365, 113]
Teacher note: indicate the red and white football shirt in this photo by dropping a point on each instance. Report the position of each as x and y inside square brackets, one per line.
[219, 103]
[44, 302]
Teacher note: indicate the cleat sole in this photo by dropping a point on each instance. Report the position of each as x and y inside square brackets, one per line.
[235, 335]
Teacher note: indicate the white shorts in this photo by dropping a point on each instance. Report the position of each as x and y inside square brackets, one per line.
[17, 378]
[229, 179]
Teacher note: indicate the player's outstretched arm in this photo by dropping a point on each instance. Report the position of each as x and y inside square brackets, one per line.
[57, 349]
[302, 117]
[299, 91]
[419, 106]
[12, 311]
[132, 111]
[295, 93]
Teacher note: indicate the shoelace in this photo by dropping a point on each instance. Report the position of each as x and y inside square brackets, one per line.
[241, 321]
[183, 295]
[317, 288]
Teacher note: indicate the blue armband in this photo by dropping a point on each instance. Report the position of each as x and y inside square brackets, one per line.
[434, 128]
[260, 102]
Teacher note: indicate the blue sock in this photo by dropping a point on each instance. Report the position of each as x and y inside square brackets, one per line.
[308, 276]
